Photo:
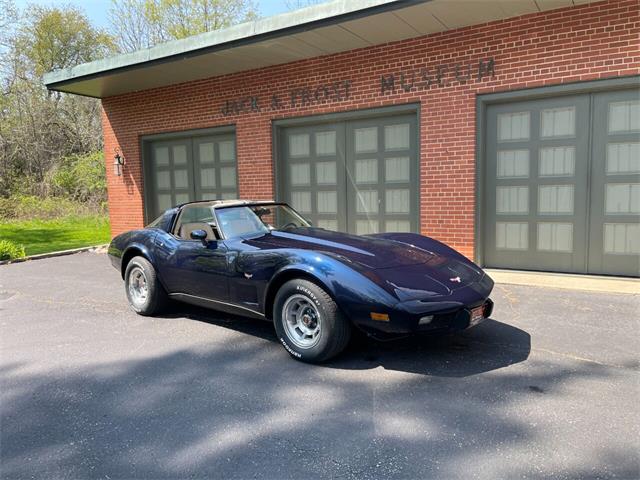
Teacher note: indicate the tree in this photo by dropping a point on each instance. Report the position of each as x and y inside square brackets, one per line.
[37, 127]
[55, 38]
[145, 23]
[129, 19]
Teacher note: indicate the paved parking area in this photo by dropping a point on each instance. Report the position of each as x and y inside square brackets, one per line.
[547, 388]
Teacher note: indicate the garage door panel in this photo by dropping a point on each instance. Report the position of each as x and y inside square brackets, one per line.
[170, 175]
[215, 167]
[615, 186]
[537, 159]
[382, 175]
[563, 184]
[359, 176]
[311, 172]
[187, 169]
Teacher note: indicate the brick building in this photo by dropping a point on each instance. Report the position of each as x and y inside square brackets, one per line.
[507, 129]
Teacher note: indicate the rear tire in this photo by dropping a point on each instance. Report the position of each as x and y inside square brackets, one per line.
[145, 293]
[308, 322]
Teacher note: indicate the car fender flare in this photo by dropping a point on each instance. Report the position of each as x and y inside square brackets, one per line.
[134, 250]
[290, 272]
[325, 281]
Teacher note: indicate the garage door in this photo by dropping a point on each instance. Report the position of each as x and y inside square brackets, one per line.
[356, 176]
[187, 169]
[563, 184]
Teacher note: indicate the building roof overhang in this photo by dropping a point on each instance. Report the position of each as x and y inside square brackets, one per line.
[327, 28]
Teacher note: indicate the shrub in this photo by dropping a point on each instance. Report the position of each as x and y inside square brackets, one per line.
[11, 251]
[28, 207]
[81, 178]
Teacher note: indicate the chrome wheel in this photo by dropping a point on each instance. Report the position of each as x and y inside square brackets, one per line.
[138, 288]
[302, 321]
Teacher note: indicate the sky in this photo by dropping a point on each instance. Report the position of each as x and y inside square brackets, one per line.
[96, 10]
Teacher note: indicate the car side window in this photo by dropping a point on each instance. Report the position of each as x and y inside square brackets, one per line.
[196, 217]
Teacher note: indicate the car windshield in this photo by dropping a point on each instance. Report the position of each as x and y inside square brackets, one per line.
[257, 219]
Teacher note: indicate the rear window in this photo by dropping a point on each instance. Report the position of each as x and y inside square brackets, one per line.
[156, 223]
[163, 222]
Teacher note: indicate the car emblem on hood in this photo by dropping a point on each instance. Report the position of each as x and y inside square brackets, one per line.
[455, 279]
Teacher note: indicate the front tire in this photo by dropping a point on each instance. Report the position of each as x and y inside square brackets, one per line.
[308, 322]
[145, 293]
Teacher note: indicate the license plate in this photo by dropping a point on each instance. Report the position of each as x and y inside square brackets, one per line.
[477, 315]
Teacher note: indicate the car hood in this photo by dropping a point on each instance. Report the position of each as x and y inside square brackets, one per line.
[381, 258]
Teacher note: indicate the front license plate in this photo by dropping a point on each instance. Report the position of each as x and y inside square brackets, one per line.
[477, 315]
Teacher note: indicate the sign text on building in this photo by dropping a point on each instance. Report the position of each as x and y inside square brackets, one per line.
[407, 80]
[440, 76]
[297, 97]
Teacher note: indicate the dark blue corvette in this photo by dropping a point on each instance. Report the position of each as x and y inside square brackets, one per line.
[262, 259]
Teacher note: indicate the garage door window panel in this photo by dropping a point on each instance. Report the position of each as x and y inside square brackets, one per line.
[206, 152]
[367, 202]
[325, 143]
[623, 158]
[366, 140]
[326, 173]
[624, 116]
[513, 164]
[398, 226]
[161, 156]
[555, 237]
[366, 227]
[299, 145]
[514, 126]
[555, 200]
[512, 200]
[300, 174]
[622, 198]
[227, 151]
[558, 122]
[397, 169]
[301, 201]
[622, 238]
[366, 171]
[512, 235]
[557, 161]
[397, 137]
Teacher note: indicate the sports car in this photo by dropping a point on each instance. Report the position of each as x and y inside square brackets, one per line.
[262, 259]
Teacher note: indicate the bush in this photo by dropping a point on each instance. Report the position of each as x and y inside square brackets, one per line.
[11, 251]
[27, 207]
[81, 178]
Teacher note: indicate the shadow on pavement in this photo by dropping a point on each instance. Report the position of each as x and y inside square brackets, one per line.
[488, 346]
[246, 411]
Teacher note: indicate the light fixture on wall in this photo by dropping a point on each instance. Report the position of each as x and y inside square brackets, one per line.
[118, 162]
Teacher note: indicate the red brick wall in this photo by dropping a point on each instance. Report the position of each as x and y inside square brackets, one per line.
[566, 45]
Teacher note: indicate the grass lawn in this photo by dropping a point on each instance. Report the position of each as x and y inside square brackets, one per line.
[42, 236]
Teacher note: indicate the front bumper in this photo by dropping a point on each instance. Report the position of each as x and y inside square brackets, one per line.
[446, 317]
[458, 320]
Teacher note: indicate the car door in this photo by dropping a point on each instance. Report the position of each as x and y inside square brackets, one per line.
[194, 267]
[251, 268]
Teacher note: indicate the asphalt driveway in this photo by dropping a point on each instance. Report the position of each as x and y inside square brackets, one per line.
[547, 388]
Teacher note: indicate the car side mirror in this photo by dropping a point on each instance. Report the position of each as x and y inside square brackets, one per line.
[199, 235]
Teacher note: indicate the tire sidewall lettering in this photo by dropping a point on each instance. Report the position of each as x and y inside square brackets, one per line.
[289, 349]
[309, 294]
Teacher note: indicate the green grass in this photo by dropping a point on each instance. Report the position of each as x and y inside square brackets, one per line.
[42, 236]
